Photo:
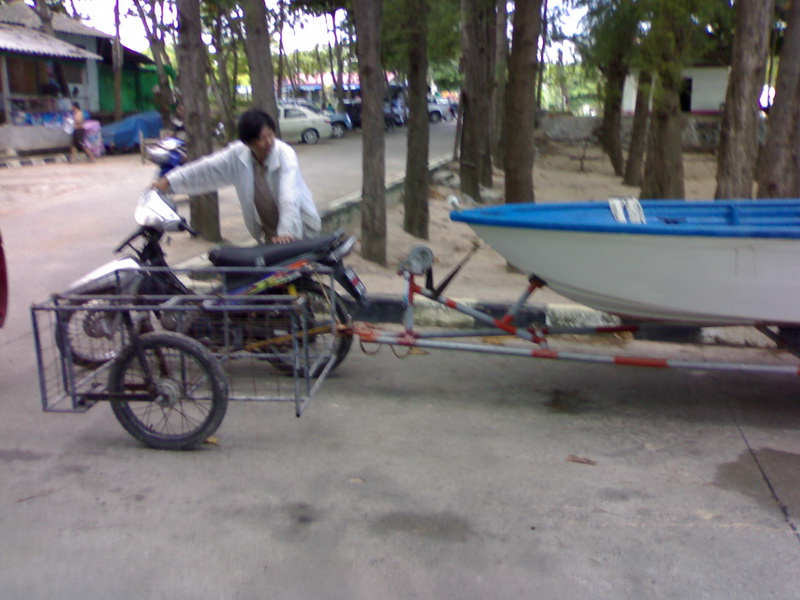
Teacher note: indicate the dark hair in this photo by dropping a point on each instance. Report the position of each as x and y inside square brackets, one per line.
[252, 122]
[75, 105]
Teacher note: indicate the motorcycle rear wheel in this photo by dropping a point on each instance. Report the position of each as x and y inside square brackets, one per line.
[92, 336]
[325, 340]
[178, 391]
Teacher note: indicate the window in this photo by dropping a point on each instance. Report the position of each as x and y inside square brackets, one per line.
[293, 113]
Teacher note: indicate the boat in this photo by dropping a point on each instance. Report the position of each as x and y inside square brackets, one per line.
[696, 262]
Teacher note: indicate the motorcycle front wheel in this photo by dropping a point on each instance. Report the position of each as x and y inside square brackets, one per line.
[325, 316]
[168, 391]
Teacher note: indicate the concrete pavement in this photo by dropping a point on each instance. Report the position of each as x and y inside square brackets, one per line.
[439, 476]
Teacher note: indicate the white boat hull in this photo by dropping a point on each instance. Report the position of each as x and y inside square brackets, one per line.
[692, 279]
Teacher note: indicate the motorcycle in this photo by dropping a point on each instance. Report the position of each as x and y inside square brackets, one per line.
[167, 154]
[94, 336]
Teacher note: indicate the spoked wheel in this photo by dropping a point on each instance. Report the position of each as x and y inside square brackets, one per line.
[173, 391]
[324, 338]
[95, 336]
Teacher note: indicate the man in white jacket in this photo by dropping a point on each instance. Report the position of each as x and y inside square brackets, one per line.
[276, 203]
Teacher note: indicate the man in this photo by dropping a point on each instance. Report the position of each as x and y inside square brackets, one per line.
[276, 203]
[78, 135]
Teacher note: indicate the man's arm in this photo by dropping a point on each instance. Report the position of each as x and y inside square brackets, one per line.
[290, 223]
[203, 175]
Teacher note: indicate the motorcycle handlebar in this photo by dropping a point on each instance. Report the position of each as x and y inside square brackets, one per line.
[189, 229]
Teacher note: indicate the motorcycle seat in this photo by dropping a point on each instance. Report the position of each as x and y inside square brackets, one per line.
[267, 255]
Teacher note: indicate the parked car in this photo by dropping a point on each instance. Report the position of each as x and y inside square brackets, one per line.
[340, 122]
[300, 123]
[438, 110]
[390, 119]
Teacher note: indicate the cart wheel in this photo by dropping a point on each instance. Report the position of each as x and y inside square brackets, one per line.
[178, 391]
[324, 339]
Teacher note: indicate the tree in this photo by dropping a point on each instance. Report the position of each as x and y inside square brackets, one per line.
[415, 218]
[638, 144]
[738, 147]
[117, 65]
[680, 31]
[522, 76]
[329, 9]
[367, 14]
[222, 21]
[153, 14]
[608, 45]
[778, 176]
[668, 47]
[192, 63]
[500, 76]
[478, 50]
[259, 57]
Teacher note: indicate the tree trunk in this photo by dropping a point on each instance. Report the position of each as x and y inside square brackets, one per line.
[259, 58]
[669, 38]
[542, 48]
[192, 81]
[476, 138]
[415, 199]
[368, 15]
[738, 145]
[321, 69]
[500, 78]
[164, 97]
[220, 79]
[339, 78]
[663, 173]
[638, 145]
[776, 178]
[116, 61]
[616, 74]
[522, 72]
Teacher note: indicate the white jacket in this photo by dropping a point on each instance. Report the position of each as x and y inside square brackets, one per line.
[233, 165]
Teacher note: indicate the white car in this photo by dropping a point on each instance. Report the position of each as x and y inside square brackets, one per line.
[299, 123]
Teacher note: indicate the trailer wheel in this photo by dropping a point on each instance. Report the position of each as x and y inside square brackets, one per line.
[171, 392]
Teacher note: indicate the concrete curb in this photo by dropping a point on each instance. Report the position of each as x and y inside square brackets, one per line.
[390, 309]
[27, 161]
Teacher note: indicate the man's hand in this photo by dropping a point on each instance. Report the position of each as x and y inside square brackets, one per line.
[162, 185]
[282, 239]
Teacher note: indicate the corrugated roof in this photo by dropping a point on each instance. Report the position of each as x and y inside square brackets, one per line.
[17, 12]
[22, 40]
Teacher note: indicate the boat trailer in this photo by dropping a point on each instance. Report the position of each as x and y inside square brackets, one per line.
[418, 264]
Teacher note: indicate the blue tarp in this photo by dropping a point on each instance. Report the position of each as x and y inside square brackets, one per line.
[124, 135]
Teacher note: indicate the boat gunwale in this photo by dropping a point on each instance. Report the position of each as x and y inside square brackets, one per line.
[669, 211]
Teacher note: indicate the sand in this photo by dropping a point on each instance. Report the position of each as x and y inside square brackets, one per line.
[562, 173]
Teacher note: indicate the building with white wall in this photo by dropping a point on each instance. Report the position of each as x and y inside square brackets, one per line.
[704, 90]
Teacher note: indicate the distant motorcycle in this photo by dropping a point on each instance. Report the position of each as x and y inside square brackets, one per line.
[167, 154]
